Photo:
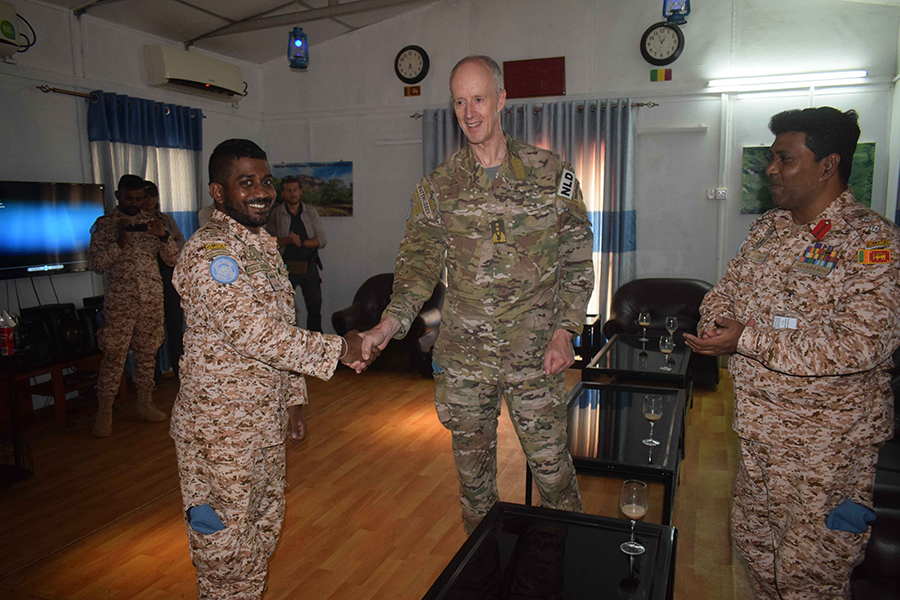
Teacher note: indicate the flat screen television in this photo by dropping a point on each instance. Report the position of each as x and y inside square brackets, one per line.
[45, 228]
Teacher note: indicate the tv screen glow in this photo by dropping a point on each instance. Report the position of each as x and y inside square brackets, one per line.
[46, 227]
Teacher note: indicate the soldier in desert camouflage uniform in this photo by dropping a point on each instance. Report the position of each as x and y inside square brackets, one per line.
[508, 222]
[133, 302]
[808, 311]
[241, 383]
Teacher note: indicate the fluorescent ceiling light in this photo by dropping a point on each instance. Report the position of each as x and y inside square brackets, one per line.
[785, 82]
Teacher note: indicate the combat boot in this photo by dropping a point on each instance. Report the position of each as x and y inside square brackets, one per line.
[146, 410]
[103, 423]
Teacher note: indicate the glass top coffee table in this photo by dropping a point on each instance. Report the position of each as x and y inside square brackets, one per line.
[626, 358]
[530, 552]
[606, 432]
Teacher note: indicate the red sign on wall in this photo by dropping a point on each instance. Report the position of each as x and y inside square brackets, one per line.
[535, 77]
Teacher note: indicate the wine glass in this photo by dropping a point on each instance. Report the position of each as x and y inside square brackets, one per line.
[666, 345]
[633, 503]
[671, 325]
[644, 321]
[653, 407]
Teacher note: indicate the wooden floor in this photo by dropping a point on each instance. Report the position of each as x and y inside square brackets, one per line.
[372, 506]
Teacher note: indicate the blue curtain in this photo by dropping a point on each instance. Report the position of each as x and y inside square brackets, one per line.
[598, 138]
[159, 142]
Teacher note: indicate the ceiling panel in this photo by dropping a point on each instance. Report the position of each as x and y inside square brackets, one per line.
[268, 44]
[165, 18]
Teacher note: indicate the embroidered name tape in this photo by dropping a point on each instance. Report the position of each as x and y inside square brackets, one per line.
[224, 269]
[878, 244]
[423, 198]
[874, 257]
[566, 185]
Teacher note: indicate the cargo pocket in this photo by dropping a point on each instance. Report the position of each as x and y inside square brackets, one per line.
[440, 397]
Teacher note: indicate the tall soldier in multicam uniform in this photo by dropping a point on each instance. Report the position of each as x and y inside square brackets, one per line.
[808, 312]
[508, 222]
[124, 245]
[241, 383]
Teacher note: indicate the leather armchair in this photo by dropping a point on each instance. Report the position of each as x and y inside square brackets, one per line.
[878, 577]
[663, 297]
[411, 353]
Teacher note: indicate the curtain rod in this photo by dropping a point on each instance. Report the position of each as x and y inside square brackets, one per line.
[92, 96]
[47, 89]
[537, 109]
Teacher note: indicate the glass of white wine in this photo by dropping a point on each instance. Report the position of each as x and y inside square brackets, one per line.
[666, 345]
[671, 325]
[644, 321]
[634, 505]
[653, 407]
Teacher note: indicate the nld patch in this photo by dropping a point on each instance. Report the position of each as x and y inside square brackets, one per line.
[566, 185]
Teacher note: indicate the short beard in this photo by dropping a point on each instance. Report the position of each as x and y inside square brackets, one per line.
[243, 218]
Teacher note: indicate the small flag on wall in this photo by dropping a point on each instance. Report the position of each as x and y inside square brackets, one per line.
[661, 75]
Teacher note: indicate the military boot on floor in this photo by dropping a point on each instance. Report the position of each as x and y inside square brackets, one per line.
[146, 410]
[103, 423]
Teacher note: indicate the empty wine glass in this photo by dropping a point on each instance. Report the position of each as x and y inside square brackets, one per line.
[666, 345]
[671, 325]
[634, 505]
[644, 321]
[653, 407]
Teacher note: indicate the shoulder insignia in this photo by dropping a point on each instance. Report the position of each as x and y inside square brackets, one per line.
[874, 257]
[224, 269]
[423, 198]
[566, 185]
[878, 244]
[216, 246]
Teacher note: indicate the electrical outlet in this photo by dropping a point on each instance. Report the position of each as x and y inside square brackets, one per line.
[720, 194]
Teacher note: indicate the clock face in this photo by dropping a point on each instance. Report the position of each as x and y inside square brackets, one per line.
[411, 64]
[662, 44]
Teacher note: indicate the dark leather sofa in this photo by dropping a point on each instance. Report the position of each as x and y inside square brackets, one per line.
[663, 297]
[411, 353]
[878, 576]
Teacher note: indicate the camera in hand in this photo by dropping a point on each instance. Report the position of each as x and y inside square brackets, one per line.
[136, 227]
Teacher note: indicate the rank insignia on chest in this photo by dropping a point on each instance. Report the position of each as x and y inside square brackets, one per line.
[498, 232]
[875, 257]
[819, 259]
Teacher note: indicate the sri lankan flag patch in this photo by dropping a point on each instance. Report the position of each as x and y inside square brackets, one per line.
[874, 257]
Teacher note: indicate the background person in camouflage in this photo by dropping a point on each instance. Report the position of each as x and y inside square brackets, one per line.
[124, 245]
[508, 222]
[808, 312]
[241, 384]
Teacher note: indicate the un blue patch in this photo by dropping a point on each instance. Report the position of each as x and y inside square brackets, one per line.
[224, 269]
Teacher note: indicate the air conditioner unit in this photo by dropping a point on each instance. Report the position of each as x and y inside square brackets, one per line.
[193, 73]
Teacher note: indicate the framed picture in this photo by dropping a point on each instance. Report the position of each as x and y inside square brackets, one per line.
[326, 186]
[755, 197]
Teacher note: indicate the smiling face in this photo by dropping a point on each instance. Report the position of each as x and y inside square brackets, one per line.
[477, 102]
[248, 194]
[795, 177]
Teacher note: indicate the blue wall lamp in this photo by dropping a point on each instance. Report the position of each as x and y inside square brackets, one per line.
[298, 49]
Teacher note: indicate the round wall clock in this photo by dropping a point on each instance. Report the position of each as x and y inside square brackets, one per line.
[662, 43]
[411, 64]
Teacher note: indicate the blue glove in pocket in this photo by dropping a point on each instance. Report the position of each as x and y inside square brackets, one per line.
[203, 519]
[850, 516]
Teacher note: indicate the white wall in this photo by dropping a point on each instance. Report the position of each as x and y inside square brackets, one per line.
[349, 105]
[45, 135]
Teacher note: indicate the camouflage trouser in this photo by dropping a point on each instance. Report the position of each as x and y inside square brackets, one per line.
[782, 497]
[246, 489]
[537, 409]
[140, 330]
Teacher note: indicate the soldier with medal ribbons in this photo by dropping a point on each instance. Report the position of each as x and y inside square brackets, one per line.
[807, 312]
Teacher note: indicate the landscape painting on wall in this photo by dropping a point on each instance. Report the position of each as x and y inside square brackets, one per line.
[326, 186]
[755, 196]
